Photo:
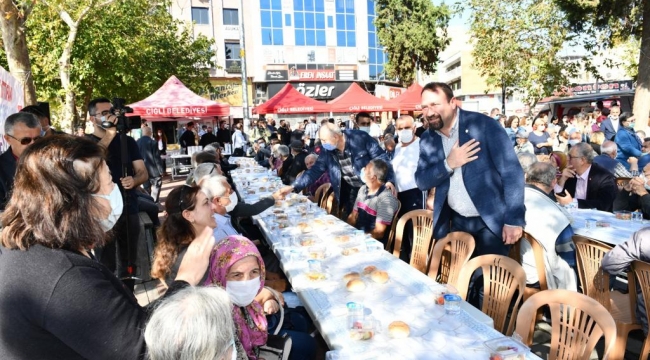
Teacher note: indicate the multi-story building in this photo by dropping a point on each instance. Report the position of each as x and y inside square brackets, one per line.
[319, 46]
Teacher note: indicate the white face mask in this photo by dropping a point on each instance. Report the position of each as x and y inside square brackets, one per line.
[233, 202]
[262, 146]
[406, 135]
[365, 129]
[234, 352]
[573, 142]
[242, 293]
[115, 201]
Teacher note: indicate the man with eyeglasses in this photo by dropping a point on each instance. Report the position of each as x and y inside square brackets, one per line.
[21, 130]
[136, 175]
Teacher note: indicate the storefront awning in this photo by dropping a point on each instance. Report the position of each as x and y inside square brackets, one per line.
[409, 100]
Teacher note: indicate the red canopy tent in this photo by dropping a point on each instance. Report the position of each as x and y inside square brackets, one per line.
[173, 99]
[355, 99]
[409, 100]
[290, 101]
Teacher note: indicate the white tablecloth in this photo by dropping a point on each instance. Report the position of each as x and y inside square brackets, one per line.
[408, 296]
[617, 233]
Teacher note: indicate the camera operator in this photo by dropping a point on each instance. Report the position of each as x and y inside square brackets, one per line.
[136, 175]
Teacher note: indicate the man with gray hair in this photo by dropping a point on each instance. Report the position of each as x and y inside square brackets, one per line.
[152, 161]
[548, 222]
[21, 130]
[607, 159]
[592, 185]
[526, 160]
[194, 323]
[346, 154]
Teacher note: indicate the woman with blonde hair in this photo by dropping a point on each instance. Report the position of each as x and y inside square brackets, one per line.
[596, 140]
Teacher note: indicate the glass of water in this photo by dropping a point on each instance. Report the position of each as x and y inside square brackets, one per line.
[452, 304]
[637, 216]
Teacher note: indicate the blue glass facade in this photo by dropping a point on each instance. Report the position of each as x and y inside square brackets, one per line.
[376, 55]
[271, 13]
[345, 23]
[309, 22]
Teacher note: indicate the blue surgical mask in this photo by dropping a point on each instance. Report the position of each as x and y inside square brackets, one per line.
[365, 129]
[573, 142]
[328, 147]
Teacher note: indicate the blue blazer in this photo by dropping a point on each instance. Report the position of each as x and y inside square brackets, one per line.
[494, 181]
[360, 146]
[607, 127]
[628, 144]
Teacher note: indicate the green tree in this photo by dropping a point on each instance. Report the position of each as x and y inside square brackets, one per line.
[610, 22]
[516, 45]
[413, 33]
[127, 49]
[13, 15]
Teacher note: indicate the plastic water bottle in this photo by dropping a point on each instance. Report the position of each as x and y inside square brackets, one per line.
[574, 205]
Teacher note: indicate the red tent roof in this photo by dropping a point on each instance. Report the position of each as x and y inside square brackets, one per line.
[173, 99]
[409, 100]
[355, 99]
[290, 101]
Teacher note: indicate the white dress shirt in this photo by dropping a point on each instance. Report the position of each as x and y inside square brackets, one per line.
[458, 197]
[405, 162]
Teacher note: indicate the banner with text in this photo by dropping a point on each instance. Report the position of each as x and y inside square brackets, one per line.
[12, 100]
[229, 91]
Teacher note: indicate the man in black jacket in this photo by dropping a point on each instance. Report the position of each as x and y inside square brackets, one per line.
[152, 161]
[224, 136]
[188, 139]
[284, 133]
[21, 130]
[298, 163]
[208, 138]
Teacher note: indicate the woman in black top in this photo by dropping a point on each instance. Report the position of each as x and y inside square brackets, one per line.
[56, 300]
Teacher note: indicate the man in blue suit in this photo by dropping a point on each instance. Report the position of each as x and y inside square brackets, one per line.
[610, 125]
[347, 152]
[479, 190]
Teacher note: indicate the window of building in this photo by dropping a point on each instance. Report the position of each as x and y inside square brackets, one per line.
[456, 85]
[453, 66]
[271, 13]
[346, 23]
[233, 59]
[309, 22]
[230, 17]
[376, 55]
[200, 16]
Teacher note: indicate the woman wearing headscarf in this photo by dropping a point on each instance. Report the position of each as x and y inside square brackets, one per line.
[237, 266]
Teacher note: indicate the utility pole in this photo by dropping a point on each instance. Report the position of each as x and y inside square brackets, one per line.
[242, 56]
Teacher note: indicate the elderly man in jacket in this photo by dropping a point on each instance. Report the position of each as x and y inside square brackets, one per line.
[347, 152]
[548, 222]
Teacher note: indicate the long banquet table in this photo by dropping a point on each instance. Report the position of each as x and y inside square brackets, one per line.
[618, 231]
[408, 295]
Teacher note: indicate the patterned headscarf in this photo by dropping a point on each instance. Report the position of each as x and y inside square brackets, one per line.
[250, 320]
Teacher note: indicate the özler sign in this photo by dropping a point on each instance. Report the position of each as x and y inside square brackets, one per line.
[314, 90]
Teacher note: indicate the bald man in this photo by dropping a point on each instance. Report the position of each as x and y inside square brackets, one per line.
[347, 152]
[405, 163]
[152, 161]
[610, 125]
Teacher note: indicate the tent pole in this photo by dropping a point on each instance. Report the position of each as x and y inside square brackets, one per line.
[242, 56]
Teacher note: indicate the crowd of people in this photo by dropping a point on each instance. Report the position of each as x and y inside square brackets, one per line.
[70, 217]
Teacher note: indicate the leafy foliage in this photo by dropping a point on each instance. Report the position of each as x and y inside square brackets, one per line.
[517, 43]
[127, 49]
[610, 23]
[413, 33]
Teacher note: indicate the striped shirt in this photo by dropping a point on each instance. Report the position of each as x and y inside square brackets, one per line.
[311, 130]
[379, 207]
[347, 170]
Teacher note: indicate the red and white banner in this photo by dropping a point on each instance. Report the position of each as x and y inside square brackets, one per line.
[12, 99]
